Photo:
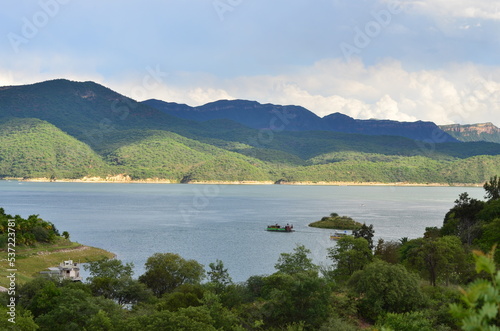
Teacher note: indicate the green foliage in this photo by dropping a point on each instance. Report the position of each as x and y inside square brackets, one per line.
[388, 251]
[23, 320]
[366, 232]
[490, 237]
[191, 318]
[481, 299]
[384, 287]
[492, 188]
[336, 222]
[167, 271]
[218, 276]
[298, 261]
[301, 297]
[113, 280]
[349, 255]
[34, 148]
[462, 220]
[27, 231]
[411, 321]
[185, 295]
[437, 259]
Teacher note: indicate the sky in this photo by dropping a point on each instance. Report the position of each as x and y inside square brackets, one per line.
[406, 60]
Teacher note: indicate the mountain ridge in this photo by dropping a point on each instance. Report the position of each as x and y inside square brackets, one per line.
[297, 118]
[137, 141]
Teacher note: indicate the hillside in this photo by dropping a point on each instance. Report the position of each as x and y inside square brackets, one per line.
[473, 132]
[34, 148]
[161, 154]
[84, 129]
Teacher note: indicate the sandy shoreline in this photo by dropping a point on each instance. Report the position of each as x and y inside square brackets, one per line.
[128, 180]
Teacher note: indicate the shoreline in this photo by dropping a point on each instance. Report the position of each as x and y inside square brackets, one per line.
[128, 180]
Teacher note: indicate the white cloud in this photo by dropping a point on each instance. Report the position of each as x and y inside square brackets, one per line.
[480, 9]
[463, 93]
[457, 93]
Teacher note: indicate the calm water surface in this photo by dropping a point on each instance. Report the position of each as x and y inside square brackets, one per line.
[225, 222]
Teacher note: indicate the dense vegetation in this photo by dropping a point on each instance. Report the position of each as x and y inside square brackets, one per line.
[67, 130]
[334, 221]
[398, 285]
[26, 232]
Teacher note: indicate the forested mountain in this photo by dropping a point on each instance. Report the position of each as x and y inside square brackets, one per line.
[63, 129]
[295, 118]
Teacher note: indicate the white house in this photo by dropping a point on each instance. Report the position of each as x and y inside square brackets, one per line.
[65, 270]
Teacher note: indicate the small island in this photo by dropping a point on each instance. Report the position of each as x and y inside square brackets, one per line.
[334, 221]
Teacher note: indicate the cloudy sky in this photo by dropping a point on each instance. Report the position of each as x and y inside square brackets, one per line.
[436, 60]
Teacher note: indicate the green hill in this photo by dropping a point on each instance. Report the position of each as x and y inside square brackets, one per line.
[161, 154]
[34, 148]
[65, 129]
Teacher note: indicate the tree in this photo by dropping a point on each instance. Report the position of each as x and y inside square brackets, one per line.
[462, 220]
[436, 258]
[349, 255]
[65, 234]
[298, 261]
[113, 280]
[481, 299]
[365, 232]
[384, 287]
[167, 271]
[219, 276]
[492, 189]
[490, 237]
[294, 298]
[388, 251]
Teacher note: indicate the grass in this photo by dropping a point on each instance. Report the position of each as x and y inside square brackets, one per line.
[336, 222]
[31, 260]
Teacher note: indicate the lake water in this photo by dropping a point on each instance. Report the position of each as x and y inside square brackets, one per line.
[225, 222]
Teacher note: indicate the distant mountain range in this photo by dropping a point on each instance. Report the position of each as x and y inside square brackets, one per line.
[296, 118]
[65, 129]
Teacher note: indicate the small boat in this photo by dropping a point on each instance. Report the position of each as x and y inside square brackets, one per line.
[279, 228]
[338, 234]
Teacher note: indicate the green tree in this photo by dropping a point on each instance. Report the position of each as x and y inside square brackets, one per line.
[481, 299]
[492, 189]
[298, 261]
[436, 258]
[365, 232]
[388, 251]
[490, 236]
[411, 321]
[113, 280]
[191, 318]
[462, 220]
[218, 276]
[295, 298]
[167, 271]
[384, 287]
[349, 255]
[23, 320]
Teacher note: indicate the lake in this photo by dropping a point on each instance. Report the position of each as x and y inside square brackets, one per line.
[225, 222]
